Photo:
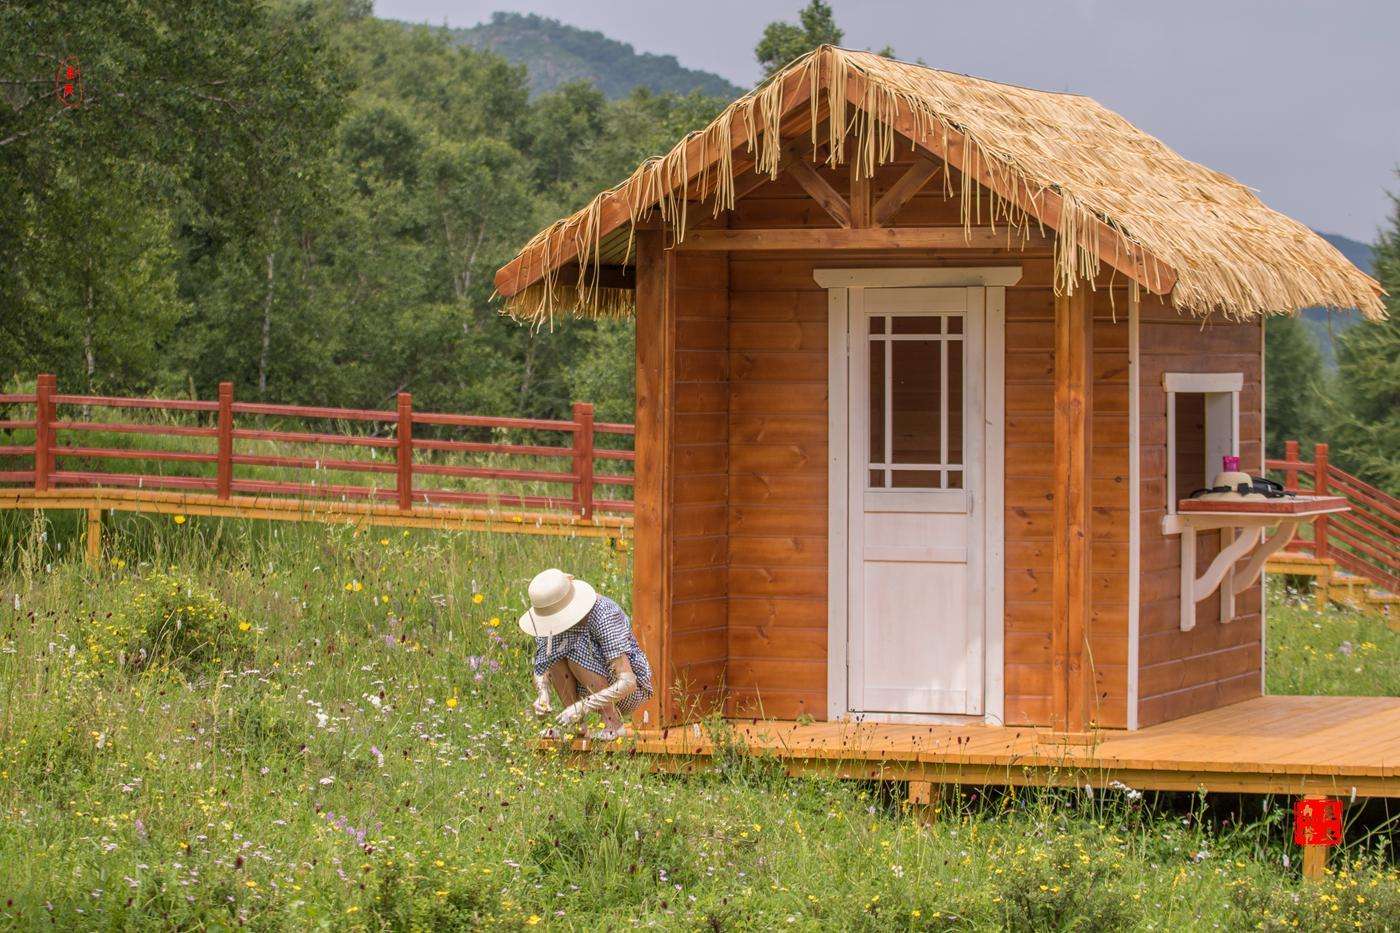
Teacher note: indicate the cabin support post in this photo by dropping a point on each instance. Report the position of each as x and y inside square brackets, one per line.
[1317, 826]
[923, 801]
[92, 543]
[1072, 678]
[655, 323]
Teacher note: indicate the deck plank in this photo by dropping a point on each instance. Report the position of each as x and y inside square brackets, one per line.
[1276, 744]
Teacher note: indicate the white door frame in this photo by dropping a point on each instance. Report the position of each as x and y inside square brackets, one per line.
[839, 284]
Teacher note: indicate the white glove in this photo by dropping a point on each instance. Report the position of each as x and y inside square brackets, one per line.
[623, 687]
[542, 705]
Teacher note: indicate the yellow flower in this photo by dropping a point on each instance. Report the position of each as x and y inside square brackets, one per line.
[354, 586]
[179, 519]
[452, 702]
[477, 598]
[495, 621]
[533, 920]
[244, 626]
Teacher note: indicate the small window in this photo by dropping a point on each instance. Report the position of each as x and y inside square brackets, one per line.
[1203, 427]
[916, 401]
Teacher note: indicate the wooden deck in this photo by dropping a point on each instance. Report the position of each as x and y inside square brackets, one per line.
[1277, 744]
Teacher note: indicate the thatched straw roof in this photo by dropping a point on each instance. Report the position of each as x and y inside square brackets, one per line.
[1112, 193]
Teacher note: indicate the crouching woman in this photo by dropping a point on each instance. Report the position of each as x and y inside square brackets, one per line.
[586, 651]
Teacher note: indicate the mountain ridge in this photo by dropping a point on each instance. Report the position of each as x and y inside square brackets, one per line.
[556, 53]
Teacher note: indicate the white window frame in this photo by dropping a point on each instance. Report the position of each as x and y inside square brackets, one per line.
[947, 342]
[1222, 401]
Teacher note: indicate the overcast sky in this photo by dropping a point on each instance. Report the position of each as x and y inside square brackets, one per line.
[1299, 99]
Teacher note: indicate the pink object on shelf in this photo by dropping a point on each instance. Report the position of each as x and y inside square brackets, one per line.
[1230, 464]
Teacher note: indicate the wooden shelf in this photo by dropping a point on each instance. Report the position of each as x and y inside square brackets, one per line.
[1295, 506]
[1242, 524]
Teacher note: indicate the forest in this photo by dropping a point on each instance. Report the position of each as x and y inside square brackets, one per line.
[311, 201]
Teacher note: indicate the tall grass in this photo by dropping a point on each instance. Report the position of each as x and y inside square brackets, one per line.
[335, 736]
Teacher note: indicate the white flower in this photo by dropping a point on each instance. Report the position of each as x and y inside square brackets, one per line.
[327, 780]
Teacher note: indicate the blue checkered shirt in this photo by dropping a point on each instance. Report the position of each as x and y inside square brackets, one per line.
[603, 636]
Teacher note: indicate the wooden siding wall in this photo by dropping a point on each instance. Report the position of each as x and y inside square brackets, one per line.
[700, 486]
[1030, 492]
[777, 503]
[1186, 672]
[774, 471]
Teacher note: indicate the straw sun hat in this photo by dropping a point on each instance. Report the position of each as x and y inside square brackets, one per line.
[558, 602]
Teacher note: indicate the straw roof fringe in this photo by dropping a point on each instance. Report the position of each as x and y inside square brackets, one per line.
[1231, 255]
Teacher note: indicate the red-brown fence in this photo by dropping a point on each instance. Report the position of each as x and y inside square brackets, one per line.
[1364, 541]
[415, 447]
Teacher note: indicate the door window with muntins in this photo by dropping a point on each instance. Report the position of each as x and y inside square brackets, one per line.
[916, 401]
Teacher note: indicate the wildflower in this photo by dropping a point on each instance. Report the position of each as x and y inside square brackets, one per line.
[354, 586]
[495, 622]
[534, 919]
[452, 702]
[478, 599]
[179, 519]
[327, 780]
[244, 626]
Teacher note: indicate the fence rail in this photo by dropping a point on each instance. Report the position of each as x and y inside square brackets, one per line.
[1364, 541]
[415, 459]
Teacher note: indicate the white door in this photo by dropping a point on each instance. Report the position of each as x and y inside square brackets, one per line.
[916, 474]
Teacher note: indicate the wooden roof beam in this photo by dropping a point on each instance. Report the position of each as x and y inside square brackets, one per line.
[862, 210]
[903, 190]
[604, 277]
[1113, 248]
[825, 238]
[821, 191]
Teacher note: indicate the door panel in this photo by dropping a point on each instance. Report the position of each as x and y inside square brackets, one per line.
[915, 454]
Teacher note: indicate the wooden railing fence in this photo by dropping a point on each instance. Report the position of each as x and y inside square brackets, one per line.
[1365, 540]
[430, 467]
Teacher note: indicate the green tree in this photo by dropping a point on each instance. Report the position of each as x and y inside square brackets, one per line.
[1367, 410]
[186, 145]
[1294, 384]
[782, 42]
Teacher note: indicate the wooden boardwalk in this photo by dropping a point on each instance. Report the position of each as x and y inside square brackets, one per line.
[1278, 744]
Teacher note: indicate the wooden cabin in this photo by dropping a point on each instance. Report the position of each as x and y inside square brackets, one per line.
[925, 366]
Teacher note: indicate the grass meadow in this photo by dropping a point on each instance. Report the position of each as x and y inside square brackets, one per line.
[302, 727]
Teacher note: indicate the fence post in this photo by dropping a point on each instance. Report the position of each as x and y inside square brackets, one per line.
[44, 385]
[1290, 473]
[404, 454]
[225, 461]
[1320, 489]
[583, 459]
